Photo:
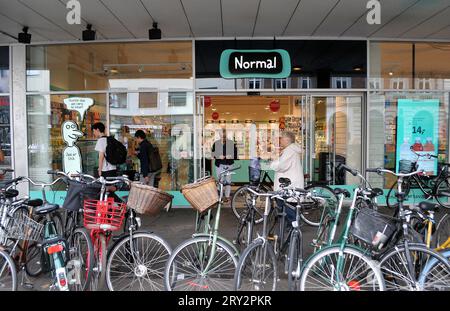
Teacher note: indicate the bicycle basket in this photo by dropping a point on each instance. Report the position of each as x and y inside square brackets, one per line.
[254, 174]
[406, 166]
[201, 195]
[147, 200]
[103, 215]
[23, 228]
[77, 192]
[373, 228]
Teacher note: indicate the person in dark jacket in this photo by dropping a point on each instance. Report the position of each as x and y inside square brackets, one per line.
[224, 151]
[144, 157]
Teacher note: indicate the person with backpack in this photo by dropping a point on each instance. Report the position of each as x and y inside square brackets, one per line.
[149, 158]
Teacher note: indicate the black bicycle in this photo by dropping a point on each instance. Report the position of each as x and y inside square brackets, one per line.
[433, 187]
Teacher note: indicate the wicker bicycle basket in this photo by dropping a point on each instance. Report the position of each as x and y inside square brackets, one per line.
[147, 200]
[202, 195]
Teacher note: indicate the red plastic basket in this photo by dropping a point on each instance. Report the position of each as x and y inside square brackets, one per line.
[103, 215]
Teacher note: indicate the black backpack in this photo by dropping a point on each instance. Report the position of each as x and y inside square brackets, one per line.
[116, 152]
[154, 158]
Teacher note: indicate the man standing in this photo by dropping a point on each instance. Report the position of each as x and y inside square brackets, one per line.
[224, 151]
[145, 150]
[105, 168]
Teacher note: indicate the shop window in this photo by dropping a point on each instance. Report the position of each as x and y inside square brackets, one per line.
[5, 134]
[4, 69]
[93, 66]
[177, 99]
[46, 115]
[254, 83]
[304, 83]
[148, 100]
[341, 82]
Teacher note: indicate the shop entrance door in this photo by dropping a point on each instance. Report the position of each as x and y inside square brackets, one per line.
[336, 123]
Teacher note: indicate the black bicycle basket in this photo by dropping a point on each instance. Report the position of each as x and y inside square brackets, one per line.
[373, 228]
[77, 192]
[406, 166]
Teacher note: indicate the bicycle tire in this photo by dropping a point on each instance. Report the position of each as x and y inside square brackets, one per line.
[8, 271]
[87, 257]
[33, 257]
[402, 280]
[424, 275]
[238, 208]
[174, 275]
[157, 263]
[264, 249]
[331, 200]
[322, 235]
[295, 259]
[327, 259]
[439, 198]
[442, 232]
[98, 279]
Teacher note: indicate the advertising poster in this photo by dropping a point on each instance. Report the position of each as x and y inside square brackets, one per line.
[418, 129]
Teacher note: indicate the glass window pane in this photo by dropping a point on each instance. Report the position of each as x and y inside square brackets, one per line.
[391, 65]
[432, 66]
[177, 99]
[148, 100]
[118, 100]
[4, 69]
[95, 66]
[5, 136]
[46, 144]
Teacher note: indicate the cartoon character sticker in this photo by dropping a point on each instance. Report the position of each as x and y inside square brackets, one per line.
[71, 154]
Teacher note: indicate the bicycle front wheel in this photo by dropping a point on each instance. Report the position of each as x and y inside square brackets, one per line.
[99, 263]
[311, 211]
[8, 273]
[257, 269]
[333, 270]
[443, 193]
[187, 268]
[402, 274]
[442, 233]
[137, 263]
[295, 258]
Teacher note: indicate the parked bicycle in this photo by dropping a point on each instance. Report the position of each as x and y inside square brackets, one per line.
[432, 187]
[207, 261]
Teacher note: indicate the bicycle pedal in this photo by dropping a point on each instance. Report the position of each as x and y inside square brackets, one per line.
[28, 285]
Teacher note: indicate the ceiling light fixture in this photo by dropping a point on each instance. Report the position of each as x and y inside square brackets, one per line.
[88, 34]
[297, 68]
[391, 73]
[24, 36]
[358, 68]
[155, 32]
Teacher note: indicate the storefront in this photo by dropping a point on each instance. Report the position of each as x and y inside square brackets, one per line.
[341, 99]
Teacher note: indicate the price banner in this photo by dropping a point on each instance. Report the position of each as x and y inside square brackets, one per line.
[417, 133]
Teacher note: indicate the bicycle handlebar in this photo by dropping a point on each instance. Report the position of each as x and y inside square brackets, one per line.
[229, 170]
[380, 170]
[427, 155]
[349, 169]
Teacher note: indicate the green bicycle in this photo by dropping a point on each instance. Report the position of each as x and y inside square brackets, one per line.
[207, 261]
[342, 266]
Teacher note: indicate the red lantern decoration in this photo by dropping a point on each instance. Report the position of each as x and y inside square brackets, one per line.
[215, 115]
[207, 101]
[274, 105]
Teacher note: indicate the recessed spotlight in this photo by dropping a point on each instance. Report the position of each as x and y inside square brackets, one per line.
[391, 73]
[358, 68]
[297, 68]
[227, 112]
[214, 109]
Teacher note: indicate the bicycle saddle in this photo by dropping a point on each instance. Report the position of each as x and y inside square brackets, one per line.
[34, 203]
[429, 206]
[284, 181]
[345, 192]
[46, 209]
[372, 193]
[11, 193]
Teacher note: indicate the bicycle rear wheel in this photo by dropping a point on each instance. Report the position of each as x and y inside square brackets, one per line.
[357, 271]
[81, 257]
[312, 212]
[186, 267]
[242, 200]
[8, 273]
[257, 269]
[138, 265]
[398, 276]
[442, 233]
[443, 193]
